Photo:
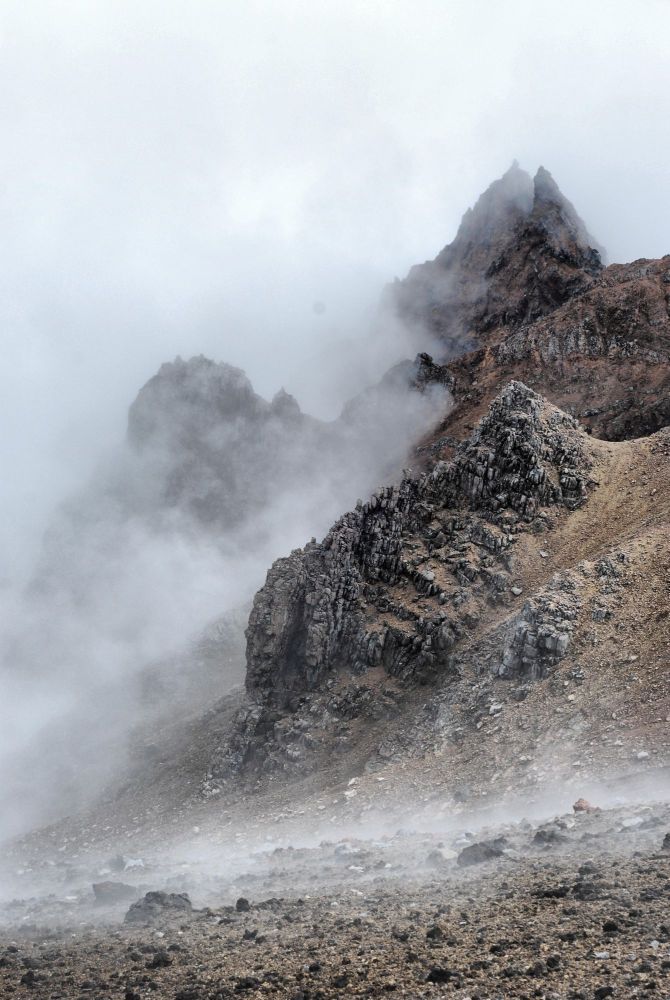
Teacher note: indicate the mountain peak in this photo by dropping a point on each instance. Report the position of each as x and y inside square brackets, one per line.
[549, 202]
[504, 203]
[520, 252]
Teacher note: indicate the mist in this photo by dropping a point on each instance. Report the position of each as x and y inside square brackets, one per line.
[242, 181]
[178, 180]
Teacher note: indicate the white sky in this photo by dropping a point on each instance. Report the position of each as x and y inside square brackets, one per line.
[186, 177]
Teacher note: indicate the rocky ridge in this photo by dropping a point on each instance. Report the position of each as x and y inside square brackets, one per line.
[307, 620]
[416, 586]
[444, 540]
[502, 600]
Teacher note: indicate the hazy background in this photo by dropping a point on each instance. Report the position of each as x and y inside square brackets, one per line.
[185, 177]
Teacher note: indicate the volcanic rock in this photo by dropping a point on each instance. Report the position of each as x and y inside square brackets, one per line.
[157, 906]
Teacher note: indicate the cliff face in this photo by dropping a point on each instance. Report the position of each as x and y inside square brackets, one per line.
[444, 538]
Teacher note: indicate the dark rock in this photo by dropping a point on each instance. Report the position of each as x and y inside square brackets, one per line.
[156, 906]
[438, 974]
[587, 890]
[549, 838]
[247, 983]
[242, 905]
[161, 960]
[551, 892]
[477, 854]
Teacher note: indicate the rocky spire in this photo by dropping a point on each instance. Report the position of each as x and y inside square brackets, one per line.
[519, 253]
[504, 204]
[559, 215]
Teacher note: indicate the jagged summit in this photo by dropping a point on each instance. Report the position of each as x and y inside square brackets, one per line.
[519, 253]
[505, 203]
[207, 433]
[510, 201]
[552, 210]
[186, 399]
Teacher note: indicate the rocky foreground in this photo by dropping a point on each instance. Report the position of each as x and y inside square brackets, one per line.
[574, 907]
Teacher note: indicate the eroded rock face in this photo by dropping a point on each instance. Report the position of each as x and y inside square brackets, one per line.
[541, 635]
[345, 603]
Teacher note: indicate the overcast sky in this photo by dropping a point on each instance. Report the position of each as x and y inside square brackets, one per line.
[193, 176]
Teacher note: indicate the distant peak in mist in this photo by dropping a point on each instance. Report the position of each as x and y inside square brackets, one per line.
[515, 198]
[503, 204]
[519, 253]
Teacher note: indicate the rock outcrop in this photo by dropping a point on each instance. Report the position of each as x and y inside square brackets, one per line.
[446, 535]
[399, 586]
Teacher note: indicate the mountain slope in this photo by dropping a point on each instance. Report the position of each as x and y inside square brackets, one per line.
[507, 597]
[494, 567]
